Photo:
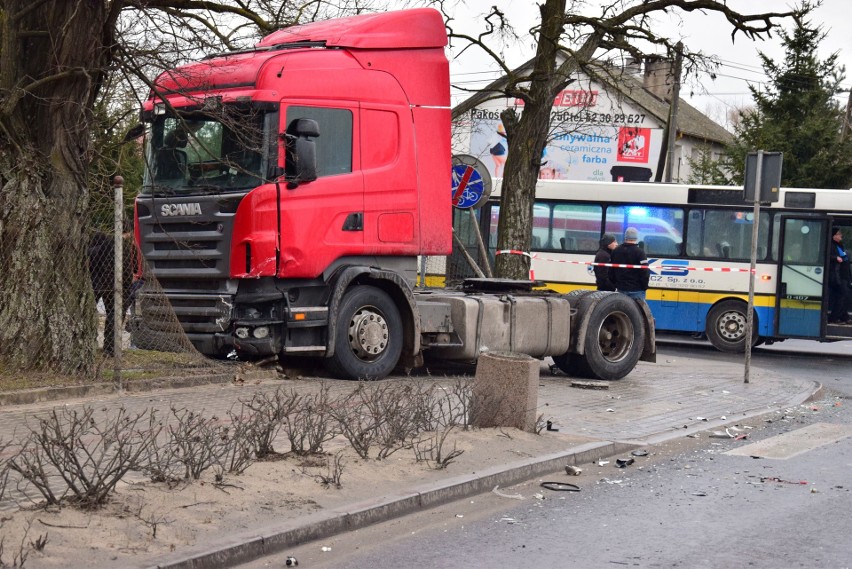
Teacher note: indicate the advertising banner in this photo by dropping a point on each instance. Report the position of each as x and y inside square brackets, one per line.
[591, 139]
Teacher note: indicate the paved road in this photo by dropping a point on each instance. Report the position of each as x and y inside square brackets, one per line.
[696, 503]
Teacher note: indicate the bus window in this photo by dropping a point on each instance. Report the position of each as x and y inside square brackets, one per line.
[660, 228]
[541, 228]
[725, 234]
[576, 227]
[803, 242]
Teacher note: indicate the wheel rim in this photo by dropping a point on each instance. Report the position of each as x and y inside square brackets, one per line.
[368, 333]
[615, 336]
[731, 326]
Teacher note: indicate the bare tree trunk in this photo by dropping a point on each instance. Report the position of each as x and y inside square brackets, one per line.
[527, 138]
[50, 71]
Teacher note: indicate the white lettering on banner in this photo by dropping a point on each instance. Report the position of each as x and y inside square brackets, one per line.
[571, 98]
[173, 209]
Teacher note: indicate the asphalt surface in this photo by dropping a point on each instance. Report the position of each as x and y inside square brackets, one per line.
[672, 398]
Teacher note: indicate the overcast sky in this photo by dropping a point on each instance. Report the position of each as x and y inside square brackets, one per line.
[707, 33]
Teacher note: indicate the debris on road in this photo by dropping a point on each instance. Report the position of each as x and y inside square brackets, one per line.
[590, 384]
[765, 479]
[623, 462]
[560, 487]
[640, 452]
[573, 470]
[504, 495]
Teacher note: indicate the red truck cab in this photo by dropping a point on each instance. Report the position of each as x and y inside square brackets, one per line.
[281, 175]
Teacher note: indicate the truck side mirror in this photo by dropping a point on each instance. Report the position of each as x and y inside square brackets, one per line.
[301, 157]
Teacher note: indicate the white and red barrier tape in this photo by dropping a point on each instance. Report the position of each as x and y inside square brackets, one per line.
[620, 266]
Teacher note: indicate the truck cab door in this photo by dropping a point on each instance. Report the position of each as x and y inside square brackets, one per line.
[800, 293]
[322, 220]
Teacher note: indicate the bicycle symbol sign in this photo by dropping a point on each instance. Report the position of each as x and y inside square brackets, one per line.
[471, 182]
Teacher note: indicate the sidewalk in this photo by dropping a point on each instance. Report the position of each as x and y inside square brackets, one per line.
[657, 402]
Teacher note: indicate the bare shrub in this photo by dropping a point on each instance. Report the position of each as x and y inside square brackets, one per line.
[359, 422]
[19, 557]
[459, 403]
[310, 423]
[69, 455]
[4, 468]
[193, 444]
[430, 448]
[268, 410]
[333, 474]
[197, 442]
[405, 408]
[152, 518]
[237, 451]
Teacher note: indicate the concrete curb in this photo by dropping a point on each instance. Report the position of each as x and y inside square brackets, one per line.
[250, 546]
[47, 394]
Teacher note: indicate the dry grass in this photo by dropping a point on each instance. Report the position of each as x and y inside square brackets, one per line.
[136, 365]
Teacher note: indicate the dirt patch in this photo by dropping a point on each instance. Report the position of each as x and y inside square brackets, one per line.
[146, 520]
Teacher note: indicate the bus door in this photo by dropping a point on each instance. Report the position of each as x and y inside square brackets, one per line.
[801, 272]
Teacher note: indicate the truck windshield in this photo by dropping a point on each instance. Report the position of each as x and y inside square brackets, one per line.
[209, 151]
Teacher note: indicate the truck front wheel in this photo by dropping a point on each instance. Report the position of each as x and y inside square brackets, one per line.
[369, 333]
[614, 337]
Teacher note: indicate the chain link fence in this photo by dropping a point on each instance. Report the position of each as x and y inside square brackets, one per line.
[139, 335]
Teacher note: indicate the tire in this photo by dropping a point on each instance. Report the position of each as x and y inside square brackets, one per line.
[565, 362]
[726, 326]
[368, 336]
[614, 339]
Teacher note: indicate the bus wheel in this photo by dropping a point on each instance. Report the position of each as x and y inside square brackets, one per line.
[368, 336]
[614, 338]
[726, 326]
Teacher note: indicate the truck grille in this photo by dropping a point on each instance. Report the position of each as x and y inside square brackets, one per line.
[189, 257]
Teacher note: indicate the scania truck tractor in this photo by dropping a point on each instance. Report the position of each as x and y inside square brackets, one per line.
[290, 190]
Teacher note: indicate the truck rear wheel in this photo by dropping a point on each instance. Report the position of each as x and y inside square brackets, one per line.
[614, 338]
[368, 335]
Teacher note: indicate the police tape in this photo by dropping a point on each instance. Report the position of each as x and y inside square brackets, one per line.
[655, 267]
[622, 266]
[513, 252]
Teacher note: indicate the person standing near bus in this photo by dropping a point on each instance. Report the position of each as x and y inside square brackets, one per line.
[603, 274]
[839, 279]
[633, 281]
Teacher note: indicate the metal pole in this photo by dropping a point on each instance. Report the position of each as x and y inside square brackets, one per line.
[486, 266]
[118, 278]
[673, 111]
[755, 227]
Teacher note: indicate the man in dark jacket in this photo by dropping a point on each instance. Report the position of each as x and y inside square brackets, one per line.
[633, 281]
[839, 279]
[603, 276]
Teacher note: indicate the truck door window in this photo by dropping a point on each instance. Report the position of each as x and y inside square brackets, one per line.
[334, 144]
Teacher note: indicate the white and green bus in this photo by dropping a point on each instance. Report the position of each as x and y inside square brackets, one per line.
[698, 240]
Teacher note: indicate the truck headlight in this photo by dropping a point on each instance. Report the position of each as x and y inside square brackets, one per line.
[261, 332]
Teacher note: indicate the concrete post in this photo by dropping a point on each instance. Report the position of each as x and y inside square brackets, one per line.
[505, 391]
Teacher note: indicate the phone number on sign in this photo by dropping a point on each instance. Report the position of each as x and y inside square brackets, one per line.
[598, 118]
